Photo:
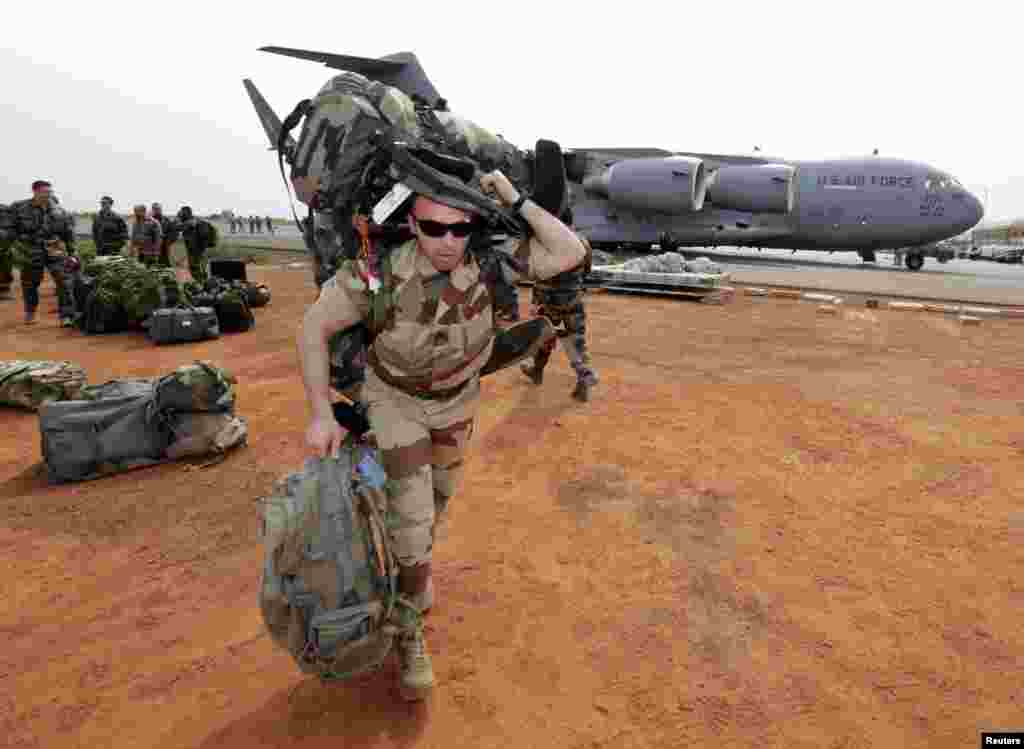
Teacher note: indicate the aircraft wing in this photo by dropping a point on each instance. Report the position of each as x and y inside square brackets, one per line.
[268, 118]
[401, 70]
[712, 159]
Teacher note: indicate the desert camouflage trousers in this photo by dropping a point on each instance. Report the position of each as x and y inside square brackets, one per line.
[6, 268]
[32, 278]
[570, 322]
[422, 443]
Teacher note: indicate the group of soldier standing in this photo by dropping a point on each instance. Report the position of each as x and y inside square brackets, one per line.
[256, 224]
[46, 232]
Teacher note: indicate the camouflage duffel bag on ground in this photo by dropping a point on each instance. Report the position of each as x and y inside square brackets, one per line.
[117, 389]
[87, 439]
[199, 434]
[328, 593]
[200, 386]
[30, 384]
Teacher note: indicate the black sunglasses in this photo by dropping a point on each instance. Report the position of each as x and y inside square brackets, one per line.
[459, 230]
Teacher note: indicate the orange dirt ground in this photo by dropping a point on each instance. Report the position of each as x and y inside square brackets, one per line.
[769, 527]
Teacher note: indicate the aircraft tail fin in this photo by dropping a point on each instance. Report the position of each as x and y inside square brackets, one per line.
[401, 70]
[268, 118]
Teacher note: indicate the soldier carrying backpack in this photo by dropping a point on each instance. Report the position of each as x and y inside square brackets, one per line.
[199, 235]
[422, 402]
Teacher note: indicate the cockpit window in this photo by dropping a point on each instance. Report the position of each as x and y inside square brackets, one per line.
[941, 183]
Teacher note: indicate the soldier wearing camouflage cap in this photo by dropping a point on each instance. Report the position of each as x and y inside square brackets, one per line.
[422, 383]
[109, 230]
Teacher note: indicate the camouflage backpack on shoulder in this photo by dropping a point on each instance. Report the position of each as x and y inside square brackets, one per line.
[328, 592]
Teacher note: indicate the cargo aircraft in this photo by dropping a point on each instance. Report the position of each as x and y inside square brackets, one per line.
[643, 196]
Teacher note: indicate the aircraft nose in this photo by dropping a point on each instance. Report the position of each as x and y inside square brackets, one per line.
[974, 210]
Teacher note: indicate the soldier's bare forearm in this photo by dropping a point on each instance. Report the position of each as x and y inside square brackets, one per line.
[315, 360]
[564, 247]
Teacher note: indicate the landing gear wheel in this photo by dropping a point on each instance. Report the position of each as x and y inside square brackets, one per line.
[868, 256]
[914, 261]
[668, 244]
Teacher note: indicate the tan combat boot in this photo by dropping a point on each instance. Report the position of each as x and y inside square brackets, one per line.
[416, 672]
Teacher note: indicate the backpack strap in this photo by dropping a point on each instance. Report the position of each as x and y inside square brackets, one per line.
[382, 300]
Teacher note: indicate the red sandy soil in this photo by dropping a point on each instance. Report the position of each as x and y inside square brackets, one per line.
[770, 527]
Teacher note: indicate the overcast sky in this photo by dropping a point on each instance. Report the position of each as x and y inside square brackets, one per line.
[113, 98]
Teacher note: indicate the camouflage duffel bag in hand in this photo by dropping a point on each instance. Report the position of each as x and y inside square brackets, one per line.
[30, 384]
[328, 593]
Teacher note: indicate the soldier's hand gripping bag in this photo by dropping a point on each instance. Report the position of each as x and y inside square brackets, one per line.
[328, 591]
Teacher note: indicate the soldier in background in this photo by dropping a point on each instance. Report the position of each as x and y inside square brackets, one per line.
[46, 230]
[109, 231]
[560, 299]
[199, 237]
[169, 234]
[6, 256]
[270, 225]
[146, 237]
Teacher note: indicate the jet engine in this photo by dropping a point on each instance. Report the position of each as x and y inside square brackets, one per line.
[675, 184]
[760, 188]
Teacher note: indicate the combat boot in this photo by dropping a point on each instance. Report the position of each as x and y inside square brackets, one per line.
[583, 385]
[416, 672]
[535, 373]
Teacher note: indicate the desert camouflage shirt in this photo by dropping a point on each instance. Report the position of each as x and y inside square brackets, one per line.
[146, 236]
[33, 223]
[440, 328]
[109, 231]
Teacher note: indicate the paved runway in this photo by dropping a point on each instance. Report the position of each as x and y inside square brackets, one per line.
[971, 281]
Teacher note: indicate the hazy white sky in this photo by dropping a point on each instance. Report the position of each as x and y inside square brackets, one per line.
[113, 98]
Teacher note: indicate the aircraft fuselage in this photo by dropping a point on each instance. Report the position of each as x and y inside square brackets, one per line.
[843, 204]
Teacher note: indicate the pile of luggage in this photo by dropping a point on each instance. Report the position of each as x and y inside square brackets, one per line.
[114, 294]
[124, 424]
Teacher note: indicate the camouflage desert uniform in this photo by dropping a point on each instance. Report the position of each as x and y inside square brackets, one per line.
[109, 232]
[422, 380]
[560, 299]
[6, 257]
[146, 238]
[34, 227]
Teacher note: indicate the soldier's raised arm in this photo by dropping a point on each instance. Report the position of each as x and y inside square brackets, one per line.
[554, 248]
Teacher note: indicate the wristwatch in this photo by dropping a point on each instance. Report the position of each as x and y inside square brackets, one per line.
[518, 205]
